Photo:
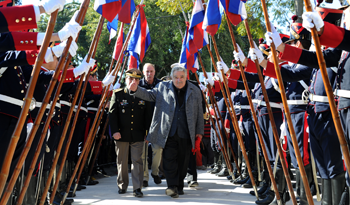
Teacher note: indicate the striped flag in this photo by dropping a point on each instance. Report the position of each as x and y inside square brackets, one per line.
[235, 10]
[213, 16]
[108, 8]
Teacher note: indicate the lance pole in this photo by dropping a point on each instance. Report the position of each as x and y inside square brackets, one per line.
[329, 91]
[258, 130]
[28, 98]
[105, 93]
[104, 128]
[234, 119]
[217, 112]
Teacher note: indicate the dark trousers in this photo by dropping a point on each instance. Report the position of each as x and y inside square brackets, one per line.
[345, 120]
[324, 144]
[7, 126]
[298, 120]
[176, 154]
[208, 157]
[52, 143]
[249, 133]
[32, 151]
[191, 170]
[78, 138]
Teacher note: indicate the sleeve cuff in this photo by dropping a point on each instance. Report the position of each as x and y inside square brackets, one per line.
[37, 13]
[235, 74]
[270, 70]
[330, 31]
[232, 83]
[251, 67]
[291, 54]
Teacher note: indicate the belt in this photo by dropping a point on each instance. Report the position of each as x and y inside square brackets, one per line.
[81, 108]
[342, 93]
[63, 102]
[92, 109]
[318, 98]
[11, 100]
[2, 71]
[297, 102]
[272, 104]
[242, 107]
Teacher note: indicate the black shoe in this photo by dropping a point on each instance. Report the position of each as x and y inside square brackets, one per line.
[70, 194]
[138, 193]
[268, 199]
[72, 188]
[91, 182]
[241, 180]
[261, 190]
[229, 177]
[81, 186]
[59, 197]
[145, 183]
[215, 170]
[172, 192]
[248, 184]
[156, 178]
[121, 191]
[161, 176]
[181, 192]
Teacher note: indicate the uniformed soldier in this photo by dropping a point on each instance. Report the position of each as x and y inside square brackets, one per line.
[324, 144]
[129, 121]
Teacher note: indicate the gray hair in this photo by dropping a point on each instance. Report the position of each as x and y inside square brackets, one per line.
[178, 68]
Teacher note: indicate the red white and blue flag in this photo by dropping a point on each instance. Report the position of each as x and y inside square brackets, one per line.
[119, 44]
[197, 38]
[133, 61]
[235, 10]
[140, 37]
[189, 61]
[213, 16]
[108, 8]
[125, 15]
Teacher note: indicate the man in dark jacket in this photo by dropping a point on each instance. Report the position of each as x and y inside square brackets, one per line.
[129, 122]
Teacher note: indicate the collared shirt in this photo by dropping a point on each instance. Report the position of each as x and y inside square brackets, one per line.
[143, 83]
[180, 93]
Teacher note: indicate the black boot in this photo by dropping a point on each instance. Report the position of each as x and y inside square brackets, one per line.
[243, 178]
[266, 184]
[252, 162]
[345, 197]
[268, 199]
[215, 170]
[338, 186]
[281, 187]
[326, 192]
[302, 192]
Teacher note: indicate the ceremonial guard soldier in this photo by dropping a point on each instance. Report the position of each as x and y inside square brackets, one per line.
[324, 144]
[129, 121]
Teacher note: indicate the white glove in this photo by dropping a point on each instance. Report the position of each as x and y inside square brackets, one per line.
[209, 81]
[84, 67]
[52, 5]
[29, 129]
[273, 36]
[221, 65]
[109, 78]
[218, 76]
[71, 29]
[311, 19]
[202, 87]
[116, 86]
[255, 53]
[58, 50]
[227, 130]
[239, 56]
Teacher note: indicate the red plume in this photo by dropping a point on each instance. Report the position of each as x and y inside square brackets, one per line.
[294, 18]
[261, 40]
[319, 2]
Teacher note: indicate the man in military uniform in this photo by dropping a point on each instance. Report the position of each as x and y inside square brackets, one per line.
[129, 121]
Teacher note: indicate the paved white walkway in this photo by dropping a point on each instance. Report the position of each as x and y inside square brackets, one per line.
[211, 190]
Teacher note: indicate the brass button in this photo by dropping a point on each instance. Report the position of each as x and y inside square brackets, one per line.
[36, 54]
[22, 91]
[33, 55]
[132, 116]
[132, 122]
[29, 19]
[131, 129]
[132, 102]
[58, 121]
[22, 42]
[17, 20]
[20, 82]
[26, 42]
[132, 109]
[23, 19]
[31, 41]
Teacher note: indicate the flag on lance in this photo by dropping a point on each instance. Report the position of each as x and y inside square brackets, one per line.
[108, 8]
[140, 37]
[213, 16]
[197, 38]
[119, 44]
[235, 10]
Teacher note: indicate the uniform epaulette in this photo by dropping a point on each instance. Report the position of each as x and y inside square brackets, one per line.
[118, 90]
